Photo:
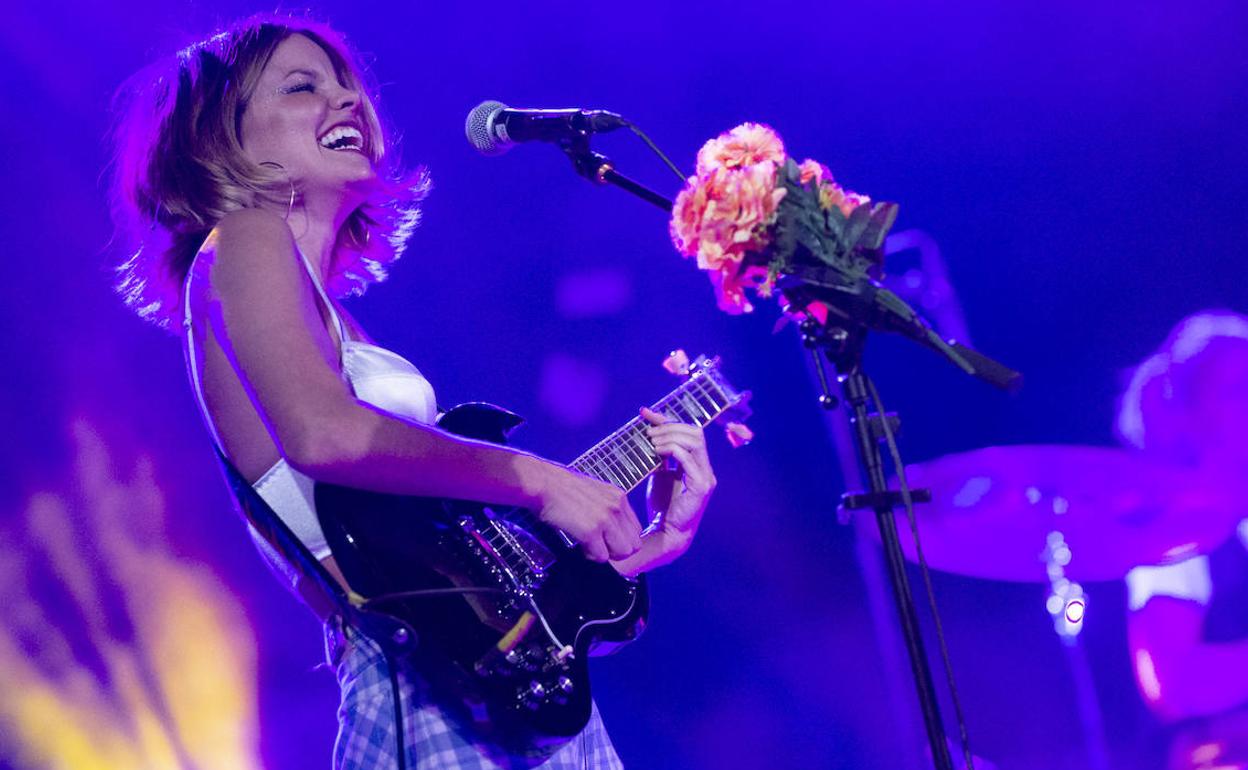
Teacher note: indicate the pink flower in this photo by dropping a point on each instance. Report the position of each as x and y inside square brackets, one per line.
[746, 145]
[831, 194]
[739, 434]
[854, 200]
[813, 170]
[687, 214]
[722, 216]
[730, 284]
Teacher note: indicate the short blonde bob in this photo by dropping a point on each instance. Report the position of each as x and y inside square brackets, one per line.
[179, 166]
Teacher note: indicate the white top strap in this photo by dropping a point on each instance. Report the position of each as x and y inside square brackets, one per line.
[329, 305]
[188, 350]
[192, 367]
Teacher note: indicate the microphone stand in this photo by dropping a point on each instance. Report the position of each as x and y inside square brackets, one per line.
[598, 169]
[860, 304]
[843, 347]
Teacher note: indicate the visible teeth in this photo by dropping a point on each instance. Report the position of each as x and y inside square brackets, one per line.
[343, 137]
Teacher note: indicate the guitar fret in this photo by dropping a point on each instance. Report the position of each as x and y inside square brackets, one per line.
[625, 461]
[599, 466]
[647, 450]
[704, 385]
[602, 473]
[639, 451]
[687, 398]
[619, 464]
[585, 464]
[637, 456]
[670, 408]
[611, 471]
[627, 456]
[631, 449]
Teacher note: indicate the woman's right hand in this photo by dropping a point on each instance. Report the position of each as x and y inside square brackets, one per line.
[593, 513]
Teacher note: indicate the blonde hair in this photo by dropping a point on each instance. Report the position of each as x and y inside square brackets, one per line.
[1152, 413]
[179, 167]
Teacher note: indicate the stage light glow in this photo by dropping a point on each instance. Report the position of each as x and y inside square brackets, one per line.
[175, 680]
[1206, 753]
[1075, 610]
[1181, 552]
[1146, 676]
[972, 491]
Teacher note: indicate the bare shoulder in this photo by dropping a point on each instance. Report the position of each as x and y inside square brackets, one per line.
[248, 234]
[250, 245]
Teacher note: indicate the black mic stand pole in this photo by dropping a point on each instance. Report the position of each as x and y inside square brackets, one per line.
[843, 348]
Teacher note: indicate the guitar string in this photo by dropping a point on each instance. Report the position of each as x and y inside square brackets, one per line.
[623, 458]
[612, 459]
[631, 443]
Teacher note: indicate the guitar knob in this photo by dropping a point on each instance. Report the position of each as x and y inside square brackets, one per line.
[533, 696]
[562, 690]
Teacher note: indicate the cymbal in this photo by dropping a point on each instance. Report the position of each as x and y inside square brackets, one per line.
[993, 511]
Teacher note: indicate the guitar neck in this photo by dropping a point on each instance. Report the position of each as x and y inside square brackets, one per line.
[627, 457]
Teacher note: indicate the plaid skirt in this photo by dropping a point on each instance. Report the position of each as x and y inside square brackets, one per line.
[432, 738]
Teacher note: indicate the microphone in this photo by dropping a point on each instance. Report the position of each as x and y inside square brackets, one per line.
[493, 127]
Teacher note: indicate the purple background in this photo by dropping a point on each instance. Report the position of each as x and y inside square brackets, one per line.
[1081, 166]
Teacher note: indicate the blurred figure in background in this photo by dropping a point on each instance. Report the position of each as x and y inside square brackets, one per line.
[1188, 621]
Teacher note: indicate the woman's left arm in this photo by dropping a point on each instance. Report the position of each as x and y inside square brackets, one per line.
[676, 499]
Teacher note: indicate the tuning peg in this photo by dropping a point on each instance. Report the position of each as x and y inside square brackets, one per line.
[738, 433]
[677, 362]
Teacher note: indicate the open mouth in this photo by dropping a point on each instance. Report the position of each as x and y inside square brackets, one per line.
[343, 137]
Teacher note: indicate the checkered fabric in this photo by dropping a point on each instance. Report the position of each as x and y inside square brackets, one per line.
[432, 739]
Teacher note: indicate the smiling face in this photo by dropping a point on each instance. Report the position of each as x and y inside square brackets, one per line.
[303, 116]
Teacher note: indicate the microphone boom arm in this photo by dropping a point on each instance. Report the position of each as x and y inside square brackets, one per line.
[598, 169]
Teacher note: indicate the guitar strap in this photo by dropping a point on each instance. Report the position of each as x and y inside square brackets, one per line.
[326, 596]
[317, 587]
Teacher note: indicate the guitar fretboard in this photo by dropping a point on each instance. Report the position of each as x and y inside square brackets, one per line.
[626, 457]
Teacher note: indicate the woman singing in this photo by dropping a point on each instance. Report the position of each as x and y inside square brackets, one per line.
[254, 178]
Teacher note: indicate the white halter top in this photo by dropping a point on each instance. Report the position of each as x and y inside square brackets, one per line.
[377, 376]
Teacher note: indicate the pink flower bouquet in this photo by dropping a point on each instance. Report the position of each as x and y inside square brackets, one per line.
[751, 216]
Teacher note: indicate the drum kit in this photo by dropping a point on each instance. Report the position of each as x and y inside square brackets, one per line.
[1056, 515]
[1015, 512]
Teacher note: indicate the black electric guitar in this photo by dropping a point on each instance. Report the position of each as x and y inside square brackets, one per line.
[496, 604]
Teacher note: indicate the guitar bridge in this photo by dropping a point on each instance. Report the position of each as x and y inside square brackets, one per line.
[518, 553]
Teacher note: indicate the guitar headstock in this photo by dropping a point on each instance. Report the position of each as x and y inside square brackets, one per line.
[735, 404]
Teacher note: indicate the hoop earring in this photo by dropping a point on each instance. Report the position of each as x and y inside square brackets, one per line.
[290, 205]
